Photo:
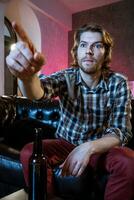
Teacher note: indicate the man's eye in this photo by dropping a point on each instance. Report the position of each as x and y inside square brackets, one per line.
[98, 46]
[82, 45]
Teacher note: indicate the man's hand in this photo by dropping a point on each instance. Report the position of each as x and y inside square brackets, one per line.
[24, 61]
[77, 160]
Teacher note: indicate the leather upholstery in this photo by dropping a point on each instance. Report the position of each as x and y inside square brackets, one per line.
[18, 117]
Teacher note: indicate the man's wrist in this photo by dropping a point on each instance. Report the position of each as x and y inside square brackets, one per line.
[91, 147]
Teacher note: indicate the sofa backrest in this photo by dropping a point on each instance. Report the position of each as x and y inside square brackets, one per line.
[46, 112]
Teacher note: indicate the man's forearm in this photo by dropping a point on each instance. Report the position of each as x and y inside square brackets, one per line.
[102, 145]
[31, 88]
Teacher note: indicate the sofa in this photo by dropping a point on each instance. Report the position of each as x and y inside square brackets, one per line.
[18, 118]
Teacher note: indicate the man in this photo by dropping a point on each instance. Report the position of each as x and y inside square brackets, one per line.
[95, 109]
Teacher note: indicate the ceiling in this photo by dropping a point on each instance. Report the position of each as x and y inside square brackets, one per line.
[80, 5]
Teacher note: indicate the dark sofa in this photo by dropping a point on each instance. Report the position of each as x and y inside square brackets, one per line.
[18, 118]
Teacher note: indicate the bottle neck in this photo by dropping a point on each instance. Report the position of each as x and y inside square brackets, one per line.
[37, 145]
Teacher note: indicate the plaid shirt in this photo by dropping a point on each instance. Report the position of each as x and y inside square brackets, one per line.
[88, 114]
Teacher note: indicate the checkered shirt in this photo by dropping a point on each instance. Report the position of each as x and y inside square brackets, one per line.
[88, 114]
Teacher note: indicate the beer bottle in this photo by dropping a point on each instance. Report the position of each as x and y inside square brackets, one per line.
[37, 170]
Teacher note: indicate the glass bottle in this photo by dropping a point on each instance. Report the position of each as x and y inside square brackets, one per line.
[37, 170]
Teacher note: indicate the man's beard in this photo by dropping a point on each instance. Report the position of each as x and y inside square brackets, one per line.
[93, 70]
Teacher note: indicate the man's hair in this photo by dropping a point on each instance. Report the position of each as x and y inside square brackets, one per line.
[106, 39]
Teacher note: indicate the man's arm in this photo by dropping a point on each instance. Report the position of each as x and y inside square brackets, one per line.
[104, 144]
[25, 62]
[31, 88]
[78, 159]
[119, 123]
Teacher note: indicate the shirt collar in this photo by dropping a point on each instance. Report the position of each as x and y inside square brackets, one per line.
[103, 81]
[78, 77]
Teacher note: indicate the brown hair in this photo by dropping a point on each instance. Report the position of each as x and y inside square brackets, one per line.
[106, 39]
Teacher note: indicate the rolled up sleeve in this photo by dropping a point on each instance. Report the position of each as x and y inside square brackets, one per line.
[120, 117]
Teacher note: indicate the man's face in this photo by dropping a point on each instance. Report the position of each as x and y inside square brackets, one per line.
[90, 52]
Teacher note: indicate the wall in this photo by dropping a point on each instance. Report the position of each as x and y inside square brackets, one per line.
[24, 15]
[2, 8]
[55, 10]
[117, 18]
[55, 22]
[54, 45]
[54, 39]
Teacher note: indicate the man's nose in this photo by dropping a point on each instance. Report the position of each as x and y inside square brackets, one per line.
[89, 50]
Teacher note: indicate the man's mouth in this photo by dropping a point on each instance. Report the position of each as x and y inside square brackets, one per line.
[88, 60]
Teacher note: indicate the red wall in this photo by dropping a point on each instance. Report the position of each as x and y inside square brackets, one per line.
[54, 40]
[54, 23]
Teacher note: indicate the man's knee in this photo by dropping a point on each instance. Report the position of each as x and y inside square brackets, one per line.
[24, 158]
[122, 162]
[26, 152]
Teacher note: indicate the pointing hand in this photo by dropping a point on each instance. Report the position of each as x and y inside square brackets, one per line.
[24, 61]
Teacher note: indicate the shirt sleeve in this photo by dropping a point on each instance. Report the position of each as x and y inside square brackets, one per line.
[53, 85]
[120, 117]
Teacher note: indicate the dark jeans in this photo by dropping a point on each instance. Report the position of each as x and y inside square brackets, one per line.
[118, 162]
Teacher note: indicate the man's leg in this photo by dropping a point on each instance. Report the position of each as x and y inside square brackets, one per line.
[119, 162]
[55, 151]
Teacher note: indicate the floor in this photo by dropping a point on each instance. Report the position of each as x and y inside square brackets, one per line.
[19, 195]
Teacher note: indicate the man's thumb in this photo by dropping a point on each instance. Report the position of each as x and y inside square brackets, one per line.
[39, 58]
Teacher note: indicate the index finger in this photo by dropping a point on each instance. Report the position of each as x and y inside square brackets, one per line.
[23, 35]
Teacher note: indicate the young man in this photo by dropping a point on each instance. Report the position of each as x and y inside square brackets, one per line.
[95, 109]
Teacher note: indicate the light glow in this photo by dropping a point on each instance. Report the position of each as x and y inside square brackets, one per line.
[13, 47]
